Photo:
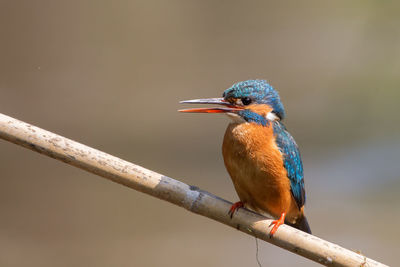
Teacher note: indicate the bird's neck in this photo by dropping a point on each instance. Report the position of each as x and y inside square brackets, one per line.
[252, 117]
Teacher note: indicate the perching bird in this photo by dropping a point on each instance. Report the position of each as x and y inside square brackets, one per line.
[261, 157]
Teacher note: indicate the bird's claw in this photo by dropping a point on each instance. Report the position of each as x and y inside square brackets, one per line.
[276, 224]
[235, 207]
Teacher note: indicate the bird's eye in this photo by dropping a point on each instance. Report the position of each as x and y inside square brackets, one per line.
[246, 101]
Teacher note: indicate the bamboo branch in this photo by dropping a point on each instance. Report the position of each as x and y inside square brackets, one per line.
[176, 192]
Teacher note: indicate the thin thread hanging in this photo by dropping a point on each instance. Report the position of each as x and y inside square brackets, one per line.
[257, 259]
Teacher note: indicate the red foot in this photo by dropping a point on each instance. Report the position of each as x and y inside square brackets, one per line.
[277, 223]
[235, 207]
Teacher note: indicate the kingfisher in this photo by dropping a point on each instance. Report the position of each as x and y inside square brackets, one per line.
[260, 155]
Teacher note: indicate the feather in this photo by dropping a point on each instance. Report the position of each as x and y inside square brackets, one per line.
[292, 162]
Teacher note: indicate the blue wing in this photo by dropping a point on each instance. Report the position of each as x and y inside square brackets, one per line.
[292, 162]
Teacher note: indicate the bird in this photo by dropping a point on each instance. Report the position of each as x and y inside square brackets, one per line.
[260, 155]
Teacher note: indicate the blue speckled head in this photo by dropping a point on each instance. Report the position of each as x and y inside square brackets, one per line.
[259, 92]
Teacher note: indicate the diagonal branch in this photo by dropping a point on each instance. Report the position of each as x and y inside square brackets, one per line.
[176, 192]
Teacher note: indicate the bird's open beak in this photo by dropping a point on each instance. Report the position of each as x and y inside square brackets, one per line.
[229, 107]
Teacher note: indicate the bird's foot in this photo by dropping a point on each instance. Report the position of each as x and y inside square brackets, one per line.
[235, 207]
[276, 224]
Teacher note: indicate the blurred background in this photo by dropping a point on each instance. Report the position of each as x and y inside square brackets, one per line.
[109, 74]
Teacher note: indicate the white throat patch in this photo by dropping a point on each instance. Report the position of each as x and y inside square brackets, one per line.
[235, 118]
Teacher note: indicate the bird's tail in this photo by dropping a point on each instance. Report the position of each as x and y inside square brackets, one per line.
[302, 224]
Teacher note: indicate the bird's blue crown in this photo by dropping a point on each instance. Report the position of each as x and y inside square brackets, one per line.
[257, 91]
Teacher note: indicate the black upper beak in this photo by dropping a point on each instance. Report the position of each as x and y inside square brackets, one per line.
[216, 101]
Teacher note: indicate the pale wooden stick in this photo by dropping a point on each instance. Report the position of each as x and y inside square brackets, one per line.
[176, 192]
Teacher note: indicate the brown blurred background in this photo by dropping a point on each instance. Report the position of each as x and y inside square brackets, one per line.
[110, 74]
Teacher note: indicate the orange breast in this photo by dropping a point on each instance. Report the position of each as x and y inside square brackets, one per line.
[256, 167]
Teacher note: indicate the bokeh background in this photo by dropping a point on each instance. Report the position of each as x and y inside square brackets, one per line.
[110, 74]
